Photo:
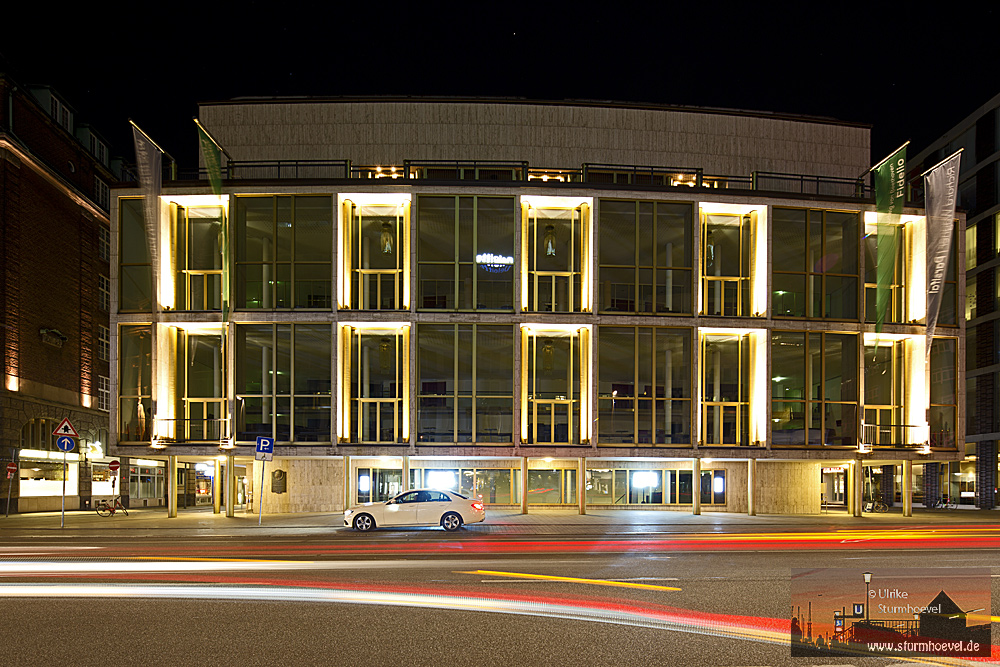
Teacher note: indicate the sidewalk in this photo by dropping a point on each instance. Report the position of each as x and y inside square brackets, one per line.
[203, 523]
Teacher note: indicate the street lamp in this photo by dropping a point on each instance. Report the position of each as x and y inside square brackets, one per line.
[868, 581]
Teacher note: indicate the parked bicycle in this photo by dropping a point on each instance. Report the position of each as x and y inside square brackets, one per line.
[943, 503]
[106, 508]
[876, 505]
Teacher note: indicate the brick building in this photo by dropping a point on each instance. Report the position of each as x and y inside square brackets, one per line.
[55, 175]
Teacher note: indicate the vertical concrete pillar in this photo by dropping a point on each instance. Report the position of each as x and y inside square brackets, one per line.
[695, 486]
[406, 473]
[857, 490]
[172, 487]
[217, 487]
[907, 488]
[752, 487]
[581, 485]
[347, 482]
[230, 485]
[524, 485]
[849, 488]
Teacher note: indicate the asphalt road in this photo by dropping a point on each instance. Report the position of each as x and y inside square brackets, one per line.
[424, 597]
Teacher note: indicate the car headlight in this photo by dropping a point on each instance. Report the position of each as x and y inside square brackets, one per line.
[348, 513]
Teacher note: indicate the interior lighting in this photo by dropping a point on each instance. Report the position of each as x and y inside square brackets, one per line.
[364, 483]
[441, 479]
[548, 459]
[549, 241]
[157, 444]
[386, 238]
[644, 479]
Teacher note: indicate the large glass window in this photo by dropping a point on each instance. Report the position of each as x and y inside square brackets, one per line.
[892, 262]
[283, 382]
[727, 261]
[644, 385]
[944, 395]
[376, 379]
[199, 257]
[725, 363]
[465, 253]
[284, 248]
[815, 259]
[884, 423]
[375, 253]
[135, 376]
[645, 256]
[201, 372]
[556, 252]
[465, 379]
[555, 375]
[135, 285]
[653, 487]
[814, 389]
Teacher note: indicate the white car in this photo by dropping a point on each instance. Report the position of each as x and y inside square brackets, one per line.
[418, 507]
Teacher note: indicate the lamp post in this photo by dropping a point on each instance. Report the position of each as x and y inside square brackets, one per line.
[868, 582]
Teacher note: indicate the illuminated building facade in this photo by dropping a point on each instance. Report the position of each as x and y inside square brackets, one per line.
[973, 480]
[578, 333]
[55, 295]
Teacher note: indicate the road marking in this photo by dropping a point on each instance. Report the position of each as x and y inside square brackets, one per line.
[573, 580]
[215, 560]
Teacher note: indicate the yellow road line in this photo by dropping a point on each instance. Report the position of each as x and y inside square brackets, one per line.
[216, 560]
[573, 580]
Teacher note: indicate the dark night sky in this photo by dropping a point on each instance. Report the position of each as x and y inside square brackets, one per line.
[911, 77]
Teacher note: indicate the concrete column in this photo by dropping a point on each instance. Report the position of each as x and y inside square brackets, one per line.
[695, 486]
[230, 485]
[406, 473]
[751, 487]
[849, 487]
[171, 487]
[347, 482]
[581, 485]
[217, 487]
[857, 488]
[907, 488]
[524, 485]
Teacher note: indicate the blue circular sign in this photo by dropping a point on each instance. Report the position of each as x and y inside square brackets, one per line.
[65, 443]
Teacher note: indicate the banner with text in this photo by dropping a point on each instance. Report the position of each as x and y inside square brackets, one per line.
[149, 163]
[890, 194]
[940, 195]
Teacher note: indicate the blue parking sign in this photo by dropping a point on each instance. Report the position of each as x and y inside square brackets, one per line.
[265, 449]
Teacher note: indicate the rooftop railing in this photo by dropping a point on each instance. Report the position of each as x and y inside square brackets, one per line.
[499, 171]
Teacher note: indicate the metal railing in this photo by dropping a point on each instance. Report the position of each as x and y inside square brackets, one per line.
[500, 171]
[890, 435]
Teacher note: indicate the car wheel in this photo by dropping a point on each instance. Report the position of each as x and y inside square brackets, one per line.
[451, 522]
[364, 523]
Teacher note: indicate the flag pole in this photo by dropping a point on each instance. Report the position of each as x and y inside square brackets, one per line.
[212, 138]
[173, 162]
[942, 162]
[887, 157]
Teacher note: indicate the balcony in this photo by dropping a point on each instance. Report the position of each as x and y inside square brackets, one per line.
[896, 436]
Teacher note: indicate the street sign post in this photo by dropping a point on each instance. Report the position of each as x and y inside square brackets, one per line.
[65, 443]
[264, 453]
[66, 428]
[114, 466]
[11, 469]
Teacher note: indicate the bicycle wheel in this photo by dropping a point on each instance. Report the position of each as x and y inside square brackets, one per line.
[103, 510]
[881, 507]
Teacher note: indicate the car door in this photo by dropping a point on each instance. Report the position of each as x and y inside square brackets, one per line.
[430, 511]
[401, 510]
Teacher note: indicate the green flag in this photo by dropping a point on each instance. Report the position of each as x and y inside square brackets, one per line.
[890, 194]
[212, 156]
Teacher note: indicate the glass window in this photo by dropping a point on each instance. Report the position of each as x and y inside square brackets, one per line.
[555, 243]
[104, 243]
[284, 382]
[644, 385]
[375, 248]
[103, 343]
[104, 292]
[884, 423]
[815, 259]
[136, 279]
[551, 413]
[376, 376]
[284, 248]
[944, 386]
[465, 376]
[103, 393]
[645, 256]
[726, 389]
[135, 375]
[727, 258]
[198, 280]
[884, 252]
[814, 389]
[465, 253]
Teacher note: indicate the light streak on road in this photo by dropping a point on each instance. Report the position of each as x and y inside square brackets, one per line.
[572, 580]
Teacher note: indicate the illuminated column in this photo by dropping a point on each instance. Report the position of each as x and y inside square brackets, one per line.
[849, 487]
[406, 473]
[856, 488]
[230, 485]
[581, 485]
[907, 488]
[172, 487]
[524, 485]
[347, 482]
[217, 487]
[695, 486]
[751, 487]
